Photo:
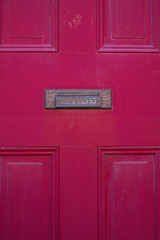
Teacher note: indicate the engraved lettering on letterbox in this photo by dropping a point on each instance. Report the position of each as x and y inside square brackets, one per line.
[78, 101]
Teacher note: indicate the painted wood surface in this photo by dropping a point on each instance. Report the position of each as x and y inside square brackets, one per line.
[67, 44]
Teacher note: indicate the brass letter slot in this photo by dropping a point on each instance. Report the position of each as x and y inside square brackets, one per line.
[75, 98]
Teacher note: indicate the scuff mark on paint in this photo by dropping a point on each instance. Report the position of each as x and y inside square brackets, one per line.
[72, 20]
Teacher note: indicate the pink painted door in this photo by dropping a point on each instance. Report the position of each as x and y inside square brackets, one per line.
[79, 173]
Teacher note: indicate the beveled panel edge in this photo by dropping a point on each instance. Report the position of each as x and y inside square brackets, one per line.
[27, 48]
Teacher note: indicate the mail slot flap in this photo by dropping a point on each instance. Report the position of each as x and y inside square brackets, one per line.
[78, 98]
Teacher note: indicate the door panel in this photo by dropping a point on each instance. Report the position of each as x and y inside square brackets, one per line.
[124, 26]
[29, 26]
[127, 193]
[29, 192]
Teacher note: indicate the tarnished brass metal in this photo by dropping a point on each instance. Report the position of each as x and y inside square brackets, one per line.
[75, 98]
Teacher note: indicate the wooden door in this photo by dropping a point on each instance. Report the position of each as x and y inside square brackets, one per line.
[79, 173]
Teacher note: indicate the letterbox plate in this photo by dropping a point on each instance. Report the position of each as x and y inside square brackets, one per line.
[76, 98]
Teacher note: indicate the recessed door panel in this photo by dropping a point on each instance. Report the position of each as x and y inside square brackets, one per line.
[127, 194]
[29, 192]
[28, 26]
[127, 26]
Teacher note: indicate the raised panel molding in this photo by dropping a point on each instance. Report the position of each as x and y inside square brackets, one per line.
[127, 26]
[128, 192]
[29, 193]
[29, 26]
